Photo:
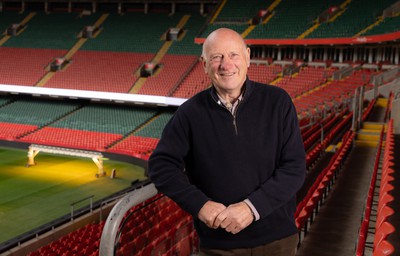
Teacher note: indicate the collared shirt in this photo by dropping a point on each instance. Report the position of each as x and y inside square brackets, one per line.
[230, 106]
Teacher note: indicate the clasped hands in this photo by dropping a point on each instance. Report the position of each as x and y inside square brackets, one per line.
[233, 218]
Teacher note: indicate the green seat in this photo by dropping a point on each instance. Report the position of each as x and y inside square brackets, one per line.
[154, 128]
[359, 14]
[52, 31]
[34, 112]
[109, 119]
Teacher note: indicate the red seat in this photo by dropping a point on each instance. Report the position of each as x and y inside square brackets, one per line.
[384, 248]
[382, 232]
[383, 214]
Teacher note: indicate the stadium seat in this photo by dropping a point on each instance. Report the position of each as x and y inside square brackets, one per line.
[384, 248]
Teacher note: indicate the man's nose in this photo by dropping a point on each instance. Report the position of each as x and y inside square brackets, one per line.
[226, 62]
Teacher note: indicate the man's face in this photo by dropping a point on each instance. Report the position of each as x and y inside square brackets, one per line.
[225, 61]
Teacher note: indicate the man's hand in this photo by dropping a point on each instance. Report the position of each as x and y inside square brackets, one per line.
[209, 212]
[234, 218]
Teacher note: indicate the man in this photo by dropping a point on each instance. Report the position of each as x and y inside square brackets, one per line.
[233, 157]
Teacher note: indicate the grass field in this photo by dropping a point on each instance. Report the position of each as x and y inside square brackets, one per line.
[30, 197]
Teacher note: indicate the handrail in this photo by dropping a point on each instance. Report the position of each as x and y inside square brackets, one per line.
[72, 205]
[117, 214]
[363, 232]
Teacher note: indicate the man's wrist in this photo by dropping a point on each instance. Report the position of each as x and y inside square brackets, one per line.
[253, 210]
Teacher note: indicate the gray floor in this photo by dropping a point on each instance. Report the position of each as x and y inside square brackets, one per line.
[335, 229]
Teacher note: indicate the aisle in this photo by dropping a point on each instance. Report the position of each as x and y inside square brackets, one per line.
[335, 229]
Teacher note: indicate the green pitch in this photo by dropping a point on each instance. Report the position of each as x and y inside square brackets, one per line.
[30, 197]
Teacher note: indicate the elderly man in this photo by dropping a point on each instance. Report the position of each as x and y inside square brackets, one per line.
[233, 157]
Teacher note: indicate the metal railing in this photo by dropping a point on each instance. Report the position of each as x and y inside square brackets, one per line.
[117, 215]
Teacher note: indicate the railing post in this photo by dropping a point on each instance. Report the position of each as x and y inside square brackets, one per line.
[76, 202]
[117, 214]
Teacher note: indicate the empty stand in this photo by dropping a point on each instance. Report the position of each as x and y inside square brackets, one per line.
[137, 146]
[264, 73]
[133, 32]
[353, 20]
[83, 241]
[185, 45]
[30, 62]
[306, 80]
[193, 83]
[100, 71]
[10, 131]
[173, 68]
[291, 19]
[101, 118]
[34, 112]
[63, 137]
[156, 227]
[52, 31]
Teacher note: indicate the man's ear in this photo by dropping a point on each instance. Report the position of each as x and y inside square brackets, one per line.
[204, 63]
[248, 56]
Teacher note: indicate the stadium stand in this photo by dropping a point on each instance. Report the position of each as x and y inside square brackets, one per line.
[32, 62]
[34, 112]
[352, 21]
[96, 70]
[291, 19]
[389, 24]
[323, 93]
[193, 83]
[173, 68]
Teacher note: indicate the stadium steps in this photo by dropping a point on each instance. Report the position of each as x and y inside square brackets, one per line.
[247, 31]
[274, 5]
[377, 22]
[138, 84]
[343, 9]
[388, 25]
[369, 135]
[218, 11]
[23, 22]
[277, 80]
[309, 31]
[338, 14]
[158, 57]
[68, 56]
[271, 9]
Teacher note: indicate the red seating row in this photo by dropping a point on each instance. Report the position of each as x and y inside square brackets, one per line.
[316, 151]
[193, 83]
[72, 138]
[173, 68]
[368, 205]
[157, 228]
[25, 66]
[100, 71]
[10, 131]
[324, 127]
[383, 226]
[306, 80]
[331, 95]
[140, 147]
[83, 241]
[309, 205]
[263, 73]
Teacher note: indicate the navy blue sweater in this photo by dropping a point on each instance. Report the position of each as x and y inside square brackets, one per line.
[206, 153]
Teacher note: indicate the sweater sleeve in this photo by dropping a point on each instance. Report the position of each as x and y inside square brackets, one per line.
[167, 166]
[290, 171]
